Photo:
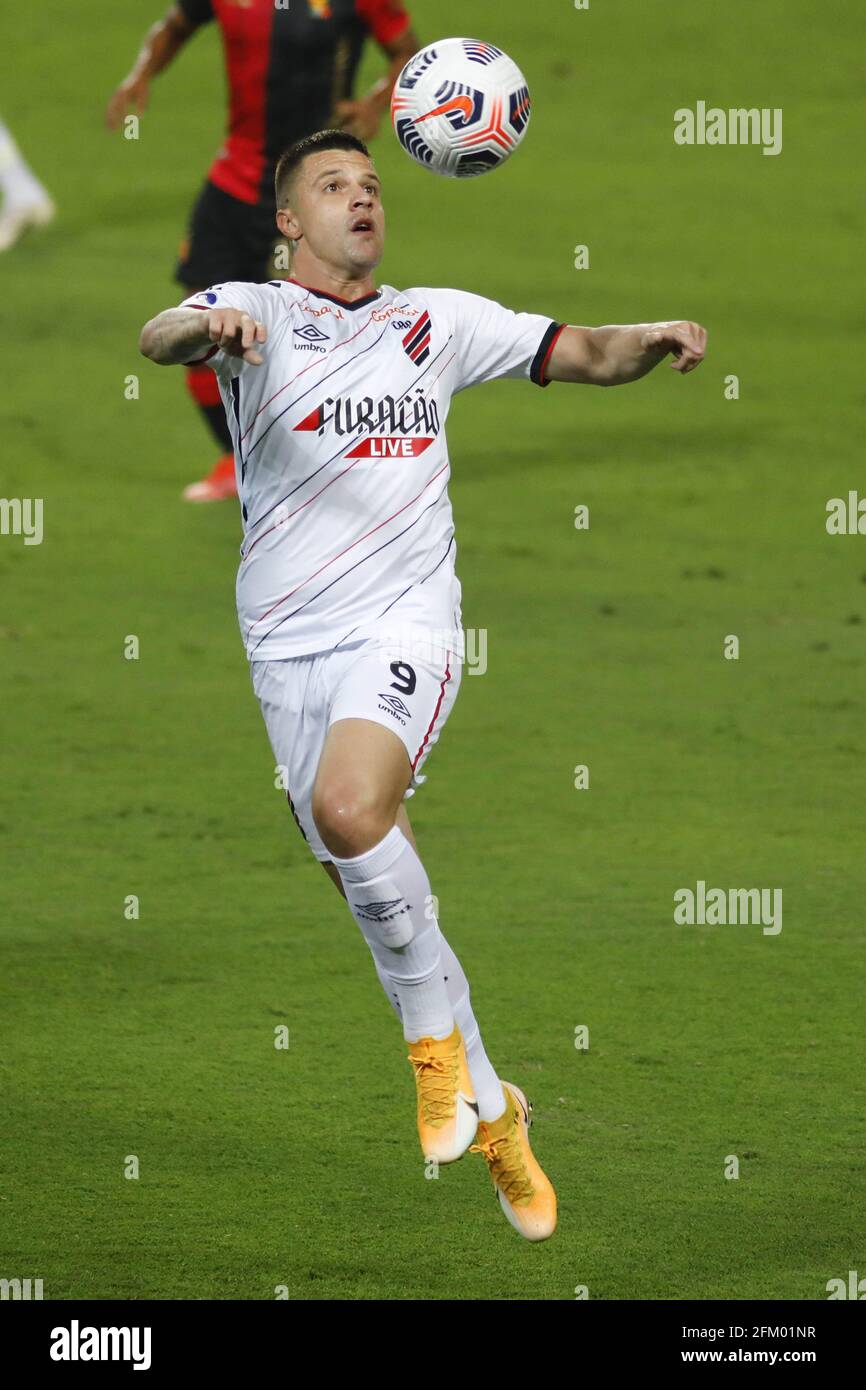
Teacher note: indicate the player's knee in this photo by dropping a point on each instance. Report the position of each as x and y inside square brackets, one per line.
[349, 820]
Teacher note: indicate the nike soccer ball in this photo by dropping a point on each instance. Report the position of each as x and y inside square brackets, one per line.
[460, 107]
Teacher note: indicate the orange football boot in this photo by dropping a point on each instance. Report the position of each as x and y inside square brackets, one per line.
[447, 1113]
[526, 1194]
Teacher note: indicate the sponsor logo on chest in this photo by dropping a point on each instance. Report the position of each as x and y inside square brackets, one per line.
[391, 426]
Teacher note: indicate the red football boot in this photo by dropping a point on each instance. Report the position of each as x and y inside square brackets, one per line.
[219, 483]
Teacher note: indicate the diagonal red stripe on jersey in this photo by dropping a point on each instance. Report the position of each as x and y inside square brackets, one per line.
[313, 421]
[340, 553]
[309, 367]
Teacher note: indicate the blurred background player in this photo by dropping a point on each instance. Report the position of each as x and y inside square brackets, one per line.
[290, 71]
[26, 203]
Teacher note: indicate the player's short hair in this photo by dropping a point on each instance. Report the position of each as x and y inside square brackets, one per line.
[291, 159]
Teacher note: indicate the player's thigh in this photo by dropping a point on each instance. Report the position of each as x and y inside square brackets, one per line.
[387, 710]
[363, 773]
[293, 702]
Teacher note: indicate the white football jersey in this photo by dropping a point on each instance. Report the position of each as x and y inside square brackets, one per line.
[341, 459]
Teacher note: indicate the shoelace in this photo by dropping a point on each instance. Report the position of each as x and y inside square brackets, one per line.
[507, 1167]
[437, 1081]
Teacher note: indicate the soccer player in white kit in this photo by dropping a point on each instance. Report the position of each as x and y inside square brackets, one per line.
[337, 393]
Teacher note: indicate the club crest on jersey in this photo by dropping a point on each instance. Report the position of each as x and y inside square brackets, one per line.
[417, 341]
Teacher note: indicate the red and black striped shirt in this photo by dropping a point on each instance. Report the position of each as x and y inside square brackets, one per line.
[286, 68]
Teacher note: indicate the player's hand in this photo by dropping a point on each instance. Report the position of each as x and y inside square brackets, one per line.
[236, 333]
[360, 118]
[133, 93]
[687, 341]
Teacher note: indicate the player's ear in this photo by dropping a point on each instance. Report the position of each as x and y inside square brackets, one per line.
[289, 224]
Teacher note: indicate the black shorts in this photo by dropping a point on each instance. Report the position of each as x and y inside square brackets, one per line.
[227, 240]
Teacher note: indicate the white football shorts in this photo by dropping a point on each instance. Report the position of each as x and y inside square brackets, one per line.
[407, 685]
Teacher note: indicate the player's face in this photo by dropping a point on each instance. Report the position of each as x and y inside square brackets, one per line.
[338, 206]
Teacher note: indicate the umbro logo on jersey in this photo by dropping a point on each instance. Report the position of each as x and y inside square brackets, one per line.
[417, 340]
[311, 333]
[380, 912]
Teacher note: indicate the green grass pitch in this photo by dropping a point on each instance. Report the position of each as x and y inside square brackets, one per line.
[155, 1037]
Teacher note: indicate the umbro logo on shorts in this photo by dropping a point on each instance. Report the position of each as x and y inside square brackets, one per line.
[381, 912]
[396, 706]
[311, 333]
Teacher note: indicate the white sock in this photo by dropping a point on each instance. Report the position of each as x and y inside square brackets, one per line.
[17, 180]
[488, 1088]
[388, 893]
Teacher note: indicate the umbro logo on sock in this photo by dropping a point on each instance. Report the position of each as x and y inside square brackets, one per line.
[381, 912]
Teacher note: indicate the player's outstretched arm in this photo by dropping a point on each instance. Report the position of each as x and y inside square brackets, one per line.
[161, 45]
[362, 117]
[619, 353]
[176, 336]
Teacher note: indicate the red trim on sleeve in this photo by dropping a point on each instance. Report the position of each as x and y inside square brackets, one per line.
[550, 346]
[386, 19]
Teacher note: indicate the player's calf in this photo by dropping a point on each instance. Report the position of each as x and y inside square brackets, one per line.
[389, 895]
